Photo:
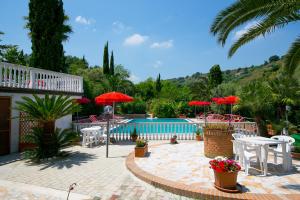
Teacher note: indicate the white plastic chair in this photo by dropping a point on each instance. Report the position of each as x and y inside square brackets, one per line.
[278, 150]
[247, 155]
[235, 145]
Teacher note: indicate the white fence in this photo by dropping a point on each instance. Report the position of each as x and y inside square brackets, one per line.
[17, 76]
[162, 130]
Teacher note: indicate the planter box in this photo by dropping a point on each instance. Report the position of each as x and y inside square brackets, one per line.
[295, 155]
[217, 142]
[141, 151]
[199, 138]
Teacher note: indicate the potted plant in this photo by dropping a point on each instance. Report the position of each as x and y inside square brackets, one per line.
[173, 139]
[198, 135]
[296, 152]
[133, 135]
[225, 171]
[141, 148]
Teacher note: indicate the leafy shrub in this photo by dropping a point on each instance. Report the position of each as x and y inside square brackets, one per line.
[141, 143]
[135, 107]
[163, 109]
[61, 139]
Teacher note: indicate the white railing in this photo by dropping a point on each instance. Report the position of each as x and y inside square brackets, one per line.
[17, 76]
[162, 130]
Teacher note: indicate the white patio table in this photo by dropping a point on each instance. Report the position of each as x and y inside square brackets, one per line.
[87, 133]
[264, 143]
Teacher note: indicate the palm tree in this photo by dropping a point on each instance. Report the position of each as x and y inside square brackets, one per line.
[256, 98]
[270, 15]
[46, 111]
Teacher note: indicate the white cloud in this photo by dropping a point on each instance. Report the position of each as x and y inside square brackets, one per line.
[163, 45]
[82, 20]
[135, 39]
[119, 27]
[157, 64]
[134, 78]
[241, 32]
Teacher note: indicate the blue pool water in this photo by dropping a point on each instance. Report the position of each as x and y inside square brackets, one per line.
[157, 126]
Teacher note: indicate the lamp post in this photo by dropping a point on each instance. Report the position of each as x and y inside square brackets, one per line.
[287, 109]
[108, 110]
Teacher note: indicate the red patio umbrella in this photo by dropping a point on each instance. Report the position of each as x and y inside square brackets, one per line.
[112, 98]
[83, 100]
[200, 103]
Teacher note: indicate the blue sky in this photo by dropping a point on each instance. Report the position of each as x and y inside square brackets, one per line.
[148, 37]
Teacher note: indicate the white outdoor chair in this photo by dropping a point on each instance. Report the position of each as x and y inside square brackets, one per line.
[247, 155]
[278, 150]
[235, 145]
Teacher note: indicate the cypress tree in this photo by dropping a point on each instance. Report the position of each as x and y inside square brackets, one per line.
[105, 59]
[112, 64]
[215, 76]
[46, 23]
[158, 85]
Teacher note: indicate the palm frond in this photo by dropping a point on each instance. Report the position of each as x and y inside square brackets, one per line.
[262, 28]
[292, 59]
[246, 10]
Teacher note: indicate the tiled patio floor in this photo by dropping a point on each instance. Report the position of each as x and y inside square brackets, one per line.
[95, 175]
[185, 163]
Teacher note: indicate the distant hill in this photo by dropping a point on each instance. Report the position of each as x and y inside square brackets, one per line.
[240, 75]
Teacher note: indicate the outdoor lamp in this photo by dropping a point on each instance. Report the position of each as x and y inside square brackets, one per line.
[108, 110]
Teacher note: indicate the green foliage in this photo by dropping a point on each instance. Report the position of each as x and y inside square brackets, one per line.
[105, 59]
[215, 76]
[273, 14]
[145, 89]
[274, 58]
[163, 108]
[200, 88]
[158, 84]
[74, 65]
[198, 132]
[136, 107]
[61, 138]
[141, 142]
[112, 64]
[14, 56]
[47, 29]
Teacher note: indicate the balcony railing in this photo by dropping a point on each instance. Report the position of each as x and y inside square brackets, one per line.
[17, 76]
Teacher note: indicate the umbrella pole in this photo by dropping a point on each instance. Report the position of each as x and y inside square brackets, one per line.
[113, 111]
[204, 116]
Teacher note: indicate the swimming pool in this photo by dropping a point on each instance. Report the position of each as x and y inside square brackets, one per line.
[157, 126]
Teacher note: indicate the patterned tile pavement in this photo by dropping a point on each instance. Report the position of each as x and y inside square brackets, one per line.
[185, 163]
[97, 177]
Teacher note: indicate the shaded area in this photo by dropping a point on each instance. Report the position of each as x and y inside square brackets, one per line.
[7, 159]
[69, 160]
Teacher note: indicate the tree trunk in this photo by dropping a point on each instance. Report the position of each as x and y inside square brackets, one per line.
[261, 126]
[48, 142]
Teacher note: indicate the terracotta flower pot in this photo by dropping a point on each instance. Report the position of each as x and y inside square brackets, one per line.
[198, 137]
[226, 180]
[141, 151]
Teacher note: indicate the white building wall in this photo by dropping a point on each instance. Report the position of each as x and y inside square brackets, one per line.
[62, 123]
